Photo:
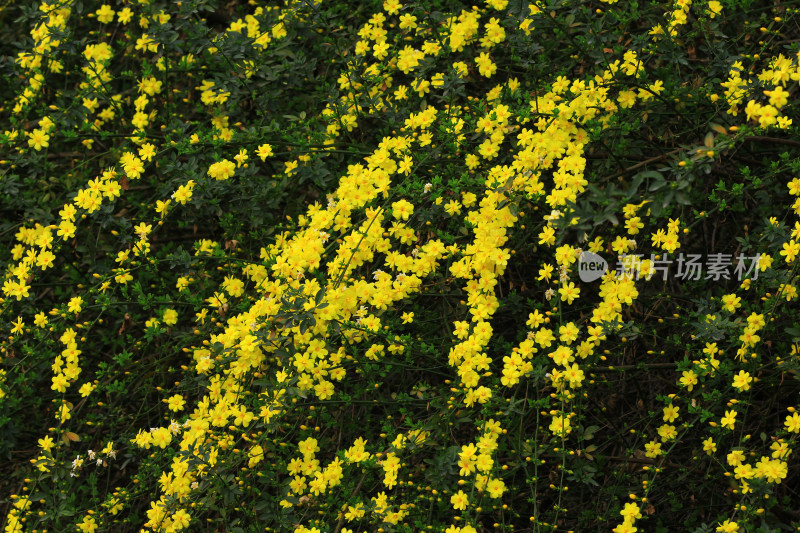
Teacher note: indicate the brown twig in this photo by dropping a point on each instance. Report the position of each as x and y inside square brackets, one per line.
[629, 367]
[643, 163]
[355, 491]
[776, 140]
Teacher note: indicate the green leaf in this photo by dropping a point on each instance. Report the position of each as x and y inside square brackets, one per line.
[793, 331]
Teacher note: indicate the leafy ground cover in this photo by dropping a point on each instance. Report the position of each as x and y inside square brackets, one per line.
[381, 266]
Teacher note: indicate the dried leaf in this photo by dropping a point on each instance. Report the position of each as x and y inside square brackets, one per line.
[718, 128]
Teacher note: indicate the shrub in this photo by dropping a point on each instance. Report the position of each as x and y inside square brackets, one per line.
[399, 266]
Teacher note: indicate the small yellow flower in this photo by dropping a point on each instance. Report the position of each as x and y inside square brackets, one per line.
[709, 446]
[453, 207]
[459, 500]
[222, 170]
[742, 380]
[652, 449]
[88, 525]
[18, 326]
[46, 443]
[671, 413]
[105, 14]
[264, 151]
[714, 8]
[170, 317]
[162, 206]
[729, 419]
[38, 139]
[792, 423]
[175, 402]
[569, 292]
[402, 209]
[74, 305]
[241, 158]
[40, 320]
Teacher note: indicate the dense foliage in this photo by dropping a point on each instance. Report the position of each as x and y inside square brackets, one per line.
[340, 266]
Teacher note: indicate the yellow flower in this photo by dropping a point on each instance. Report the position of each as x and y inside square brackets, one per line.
[535, 319]
[794, 187]
[667, 432]
[255, 455]
[485, 65]
[670, 413]
[560, 426]
[459, 500]
[652, 449]
[547, 236]
[402, 209]
[264, 151]
[792, 423]
[409, 21]
[175, 402]
[88, 525]
[63, 412]
[741, 381]
[86, 389]
[790, 250]
[709, 446]
[46, 443]
[546, 272]
[569, 292]
[170, 317]
[688, 379]
[162, 206]
[74, 305]
[40, 320]
[453, 207]
[105, 14]
[308, 447]
[184, 193]
[633, 225]
[143, 230]
[38, 139]
[565, 255]
[241, 158]
[222, 170]
[735, 458]
[496, 488]
[713, 9]
[161, 437]
[729, 419]
[125, 15]
[180, 520]
[18, 326]
[630, 512]
[497, 4]
[392, 7]
[727, 526]
[147, 151]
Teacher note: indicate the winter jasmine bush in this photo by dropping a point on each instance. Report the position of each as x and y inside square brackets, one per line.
[398, 266]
